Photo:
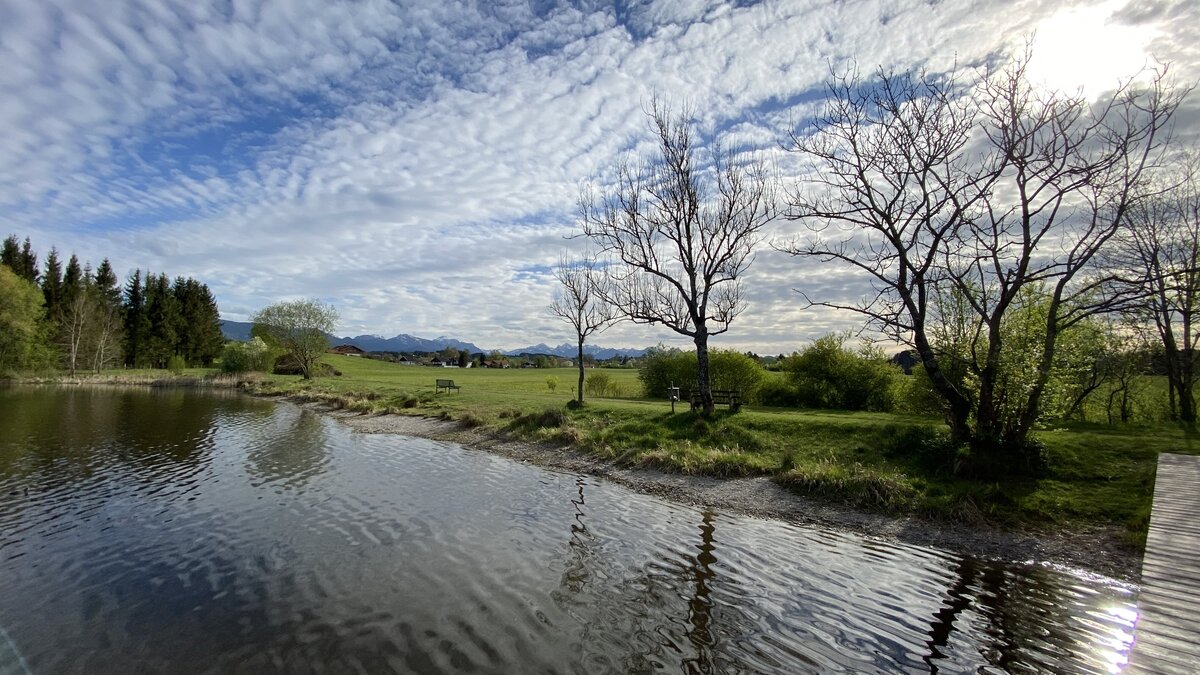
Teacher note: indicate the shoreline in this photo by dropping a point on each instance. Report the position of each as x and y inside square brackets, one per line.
[1095, 550]
[1092, 551]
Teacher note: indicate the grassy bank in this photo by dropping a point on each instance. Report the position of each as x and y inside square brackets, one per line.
[1098, 475]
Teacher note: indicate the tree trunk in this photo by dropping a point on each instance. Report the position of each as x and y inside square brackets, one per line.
[958, 407]
[1187, 403]
[579, 389]
[77, 319]
[1015, 438]
[988, 422]
[990, 428]
[1180, 376]
[1187, 373]
[1181, 407]
[706, 399]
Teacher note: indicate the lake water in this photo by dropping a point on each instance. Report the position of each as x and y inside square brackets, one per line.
[184, 531]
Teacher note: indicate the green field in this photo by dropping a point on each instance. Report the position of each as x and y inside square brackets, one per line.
[1098, 474]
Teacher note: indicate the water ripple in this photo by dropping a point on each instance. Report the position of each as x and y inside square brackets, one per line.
[195, 534]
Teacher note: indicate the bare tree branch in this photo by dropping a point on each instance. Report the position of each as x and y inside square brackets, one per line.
[983, 191]
[579, 301]
[680, 235]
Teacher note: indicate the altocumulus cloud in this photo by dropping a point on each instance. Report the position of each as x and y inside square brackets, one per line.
[417, 165]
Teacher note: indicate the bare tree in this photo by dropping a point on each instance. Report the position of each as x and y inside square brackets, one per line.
[106, 336]
[579, 302]
[77, 320]
[891, 185]
[88, 326]
[680, 235]
[1161, 248]
[985, 189]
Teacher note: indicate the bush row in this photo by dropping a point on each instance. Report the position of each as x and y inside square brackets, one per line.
[826, 375]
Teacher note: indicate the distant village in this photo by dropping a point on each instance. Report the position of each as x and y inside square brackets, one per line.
[451, 357]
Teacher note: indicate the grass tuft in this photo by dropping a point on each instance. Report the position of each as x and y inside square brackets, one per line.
[852, 483]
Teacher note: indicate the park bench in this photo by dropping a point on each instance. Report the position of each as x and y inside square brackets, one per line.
[447, 385]
[729, 397]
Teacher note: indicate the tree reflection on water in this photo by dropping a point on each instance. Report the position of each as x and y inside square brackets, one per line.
[690, 608]
[290, 451]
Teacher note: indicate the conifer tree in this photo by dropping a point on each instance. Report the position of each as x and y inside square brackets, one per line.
[200, 340]
[162, 309]
[72, 280]
[92, 320]
[107, 284]
[137, 322]
[52, 281]
[10, 253]
[20, 258]
[29, 265]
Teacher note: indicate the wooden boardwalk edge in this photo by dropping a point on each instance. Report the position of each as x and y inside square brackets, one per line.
[1167, 635]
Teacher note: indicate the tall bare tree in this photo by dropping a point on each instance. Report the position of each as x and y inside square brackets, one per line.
[106, 336]
[680, 235]
[927, 184]
[77, 319]
[89, 328]
[1161, 248]
[579, 302]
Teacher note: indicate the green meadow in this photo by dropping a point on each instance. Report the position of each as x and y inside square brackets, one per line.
[1097, 474]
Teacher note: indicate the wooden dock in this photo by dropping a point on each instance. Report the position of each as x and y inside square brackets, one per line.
[1167, 636]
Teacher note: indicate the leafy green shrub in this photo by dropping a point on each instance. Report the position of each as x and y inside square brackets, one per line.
[552, 382]
[288, 365]
[662, 367]
[22, 321]
[735, 370]
[241, 357]
[176, 364]
[779, 393]
[599, 384]
[915, 394]
[828, 375]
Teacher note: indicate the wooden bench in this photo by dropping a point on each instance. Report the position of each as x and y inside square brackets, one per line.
[445, 384]
[729, 397]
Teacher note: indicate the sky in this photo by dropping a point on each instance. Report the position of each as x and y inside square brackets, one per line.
[418, 164]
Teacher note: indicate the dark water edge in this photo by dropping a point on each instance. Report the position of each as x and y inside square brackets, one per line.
[200, 531]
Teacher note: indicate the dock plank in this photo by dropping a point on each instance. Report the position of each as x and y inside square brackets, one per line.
[1167, 635]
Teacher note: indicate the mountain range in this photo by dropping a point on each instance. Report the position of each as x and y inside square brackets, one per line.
[568, 350]
[240, 330]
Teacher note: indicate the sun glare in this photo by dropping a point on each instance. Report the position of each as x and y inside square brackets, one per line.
[1082, 48]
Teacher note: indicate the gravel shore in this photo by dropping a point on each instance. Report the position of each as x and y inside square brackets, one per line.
[1097, 550]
